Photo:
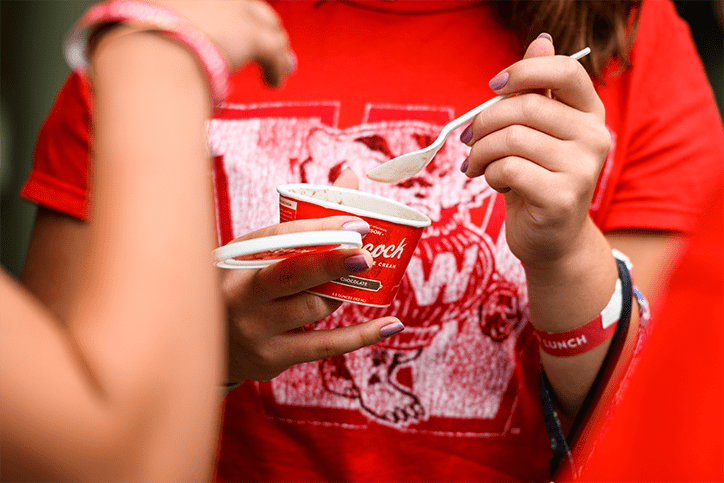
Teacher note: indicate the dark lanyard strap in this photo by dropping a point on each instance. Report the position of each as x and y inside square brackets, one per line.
[561, 445]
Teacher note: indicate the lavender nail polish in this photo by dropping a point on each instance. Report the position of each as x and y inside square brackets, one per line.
[546, 36]
[464, 166]
[356, 263]
[361, 227]
[391, 329]
[467, 134]
[499, 81]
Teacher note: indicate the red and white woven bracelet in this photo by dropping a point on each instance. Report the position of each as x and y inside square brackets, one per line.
[157, 18]
[590, 335]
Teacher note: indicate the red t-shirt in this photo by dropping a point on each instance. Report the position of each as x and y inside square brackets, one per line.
[456, 395]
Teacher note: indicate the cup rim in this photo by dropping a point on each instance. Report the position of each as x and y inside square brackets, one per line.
[285, 190]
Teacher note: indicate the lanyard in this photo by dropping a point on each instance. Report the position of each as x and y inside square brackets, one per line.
[560, 443]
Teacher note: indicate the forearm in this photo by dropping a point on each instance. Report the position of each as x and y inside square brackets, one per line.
[152, 209]
[564, 295]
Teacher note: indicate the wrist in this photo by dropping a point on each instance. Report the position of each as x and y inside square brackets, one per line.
[151, 17]
[570, 291]
[587, 336]
[602, 327]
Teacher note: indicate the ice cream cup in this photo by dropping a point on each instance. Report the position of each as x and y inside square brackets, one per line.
[395, 230]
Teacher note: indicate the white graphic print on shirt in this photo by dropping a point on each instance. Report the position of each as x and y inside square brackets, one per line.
[463, 296]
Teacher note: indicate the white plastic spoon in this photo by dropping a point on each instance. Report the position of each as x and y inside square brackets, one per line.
[408, 165]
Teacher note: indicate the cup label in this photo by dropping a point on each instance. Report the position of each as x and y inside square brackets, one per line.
[358, 282]
[390, 244]
[386, 251]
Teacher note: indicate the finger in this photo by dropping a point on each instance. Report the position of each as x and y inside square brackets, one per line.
[521, 141]
[565, 77]
[348, 223]
[264, 14]
[273, 52]
[275, 57]
[549, 152]
[296, 274]
[541, 47]
[347, 179]
[554, 193]
[303, 308]
[512, 173]
[536, 112]
[320, 344]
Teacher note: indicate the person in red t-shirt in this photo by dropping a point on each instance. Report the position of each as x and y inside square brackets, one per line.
[573, 168]
[670, 425]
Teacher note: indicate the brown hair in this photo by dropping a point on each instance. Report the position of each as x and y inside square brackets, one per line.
[607, 26]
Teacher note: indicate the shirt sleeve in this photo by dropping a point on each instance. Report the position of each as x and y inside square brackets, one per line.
[59, 176]
[673, 152]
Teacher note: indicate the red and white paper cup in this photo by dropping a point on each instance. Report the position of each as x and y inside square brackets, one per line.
[395, 230]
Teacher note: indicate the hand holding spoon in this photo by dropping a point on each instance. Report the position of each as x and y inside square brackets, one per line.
[408, 165]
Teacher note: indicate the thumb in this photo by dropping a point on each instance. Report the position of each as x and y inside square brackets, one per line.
[541, 47]
[319, 344]
[347, 179]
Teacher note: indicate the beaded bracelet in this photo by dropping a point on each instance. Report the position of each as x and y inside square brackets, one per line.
[158, 19]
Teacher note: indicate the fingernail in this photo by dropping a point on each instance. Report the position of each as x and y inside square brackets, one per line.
[356, 263]
[337, 171]
[361, 227]
[464, 166]
[499, 81]
[467, 134]
[546, 36]
[391, 329]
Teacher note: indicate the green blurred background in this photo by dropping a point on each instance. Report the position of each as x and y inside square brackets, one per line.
[32, 70]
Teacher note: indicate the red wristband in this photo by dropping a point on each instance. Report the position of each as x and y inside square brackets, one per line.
[159, 19]
[587, 336]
